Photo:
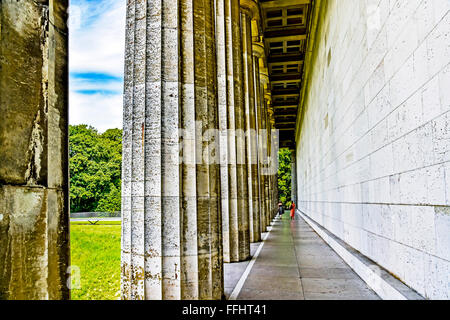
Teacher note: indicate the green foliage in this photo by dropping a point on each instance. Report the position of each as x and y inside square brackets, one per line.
[95, 169]
[111, 201]
[95, 252]
[284, 176]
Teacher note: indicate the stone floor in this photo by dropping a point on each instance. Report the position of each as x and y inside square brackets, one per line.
[296, 264]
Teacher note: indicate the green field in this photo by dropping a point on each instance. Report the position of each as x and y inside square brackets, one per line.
[95, 250]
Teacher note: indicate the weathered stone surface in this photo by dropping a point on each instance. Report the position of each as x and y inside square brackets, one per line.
[250, 126]
[34, 250]
[193, 198]
[258, 57]
[171, 210]
[372, 140]
[293, 176]
[34, 244]
[241, 158]
[226, 95]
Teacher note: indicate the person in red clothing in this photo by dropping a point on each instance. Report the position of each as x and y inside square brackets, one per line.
[292, 210]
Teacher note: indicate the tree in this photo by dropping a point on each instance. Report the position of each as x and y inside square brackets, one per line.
[284, 176]
[95, 169]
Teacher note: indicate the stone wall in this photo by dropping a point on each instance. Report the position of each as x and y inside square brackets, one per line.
[373, 141]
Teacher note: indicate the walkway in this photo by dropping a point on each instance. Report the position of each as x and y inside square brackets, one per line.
[296, 264]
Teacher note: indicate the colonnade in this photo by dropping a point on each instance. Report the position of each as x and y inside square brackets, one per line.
[199, 149]
[199, 159]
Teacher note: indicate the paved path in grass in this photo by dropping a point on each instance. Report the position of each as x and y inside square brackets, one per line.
[296, 264]
[94, 219]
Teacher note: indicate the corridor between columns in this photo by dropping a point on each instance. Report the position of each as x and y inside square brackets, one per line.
[296, 264]
[198, 185]
[212, 90]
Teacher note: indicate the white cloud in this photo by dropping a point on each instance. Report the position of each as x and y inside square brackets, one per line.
[99, 110]
[97, 45]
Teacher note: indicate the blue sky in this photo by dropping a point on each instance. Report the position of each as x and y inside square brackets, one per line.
[96, 58]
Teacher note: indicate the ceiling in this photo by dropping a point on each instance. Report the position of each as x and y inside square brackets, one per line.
[285, 25]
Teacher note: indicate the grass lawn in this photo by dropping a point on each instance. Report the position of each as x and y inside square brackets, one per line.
[95, 250]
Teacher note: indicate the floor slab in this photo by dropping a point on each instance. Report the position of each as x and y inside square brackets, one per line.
[296, 264]
[232, 272]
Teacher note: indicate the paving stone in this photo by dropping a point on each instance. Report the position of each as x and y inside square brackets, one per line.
[294, 264]
[310, 261]
[233, 272]
[327, 273]
[262, 270]
[353, 286]
[286, 283]
[314, 251]
[269, 294]
[338, 296]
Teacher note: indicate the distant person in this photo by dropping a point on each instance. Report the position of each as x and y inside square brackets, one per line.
[280, 209]
[292, 210]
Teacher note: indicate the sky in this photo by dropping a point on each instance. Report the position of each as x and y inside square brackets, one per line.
[96, 62]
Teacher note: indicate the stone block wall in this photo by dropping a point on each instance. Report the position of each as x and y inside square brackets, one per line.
[373, 141]
[34, 186]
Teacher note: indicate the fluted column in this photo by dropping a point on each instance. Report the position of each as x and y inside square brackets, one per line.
[34, 186]
[222, 91]
[270, 173]
[226, 65]
[249, 10]
[235, 48]
[293, 176]
[274, 164]
[171, 218]
[264, 161]
[258, 56]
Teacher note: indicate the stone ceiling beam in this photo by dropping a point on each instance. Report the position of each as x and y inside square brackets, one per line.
[295, 57]
[283, 3]
[286, 34]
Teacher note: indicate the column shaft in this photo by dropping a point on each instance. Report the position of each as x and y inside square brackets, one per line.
[241, 156]
[250, 113]
[261, 86]
[34, 193]
[270, 162]
[226, 185]
[275, 150]
[171, 217]
[267, 163]
[264, 80]
[259, 128]
[235, 226]
[293, 176]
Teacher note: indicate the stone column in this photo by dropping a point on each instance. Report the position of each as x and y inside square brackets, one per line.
[274, 159]
[240, 125]
[293, 176]
[34, 193]
[270, 184]
[258, 51]
[171, 218]
[226, 94]
[249, 10]
[264, 78]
